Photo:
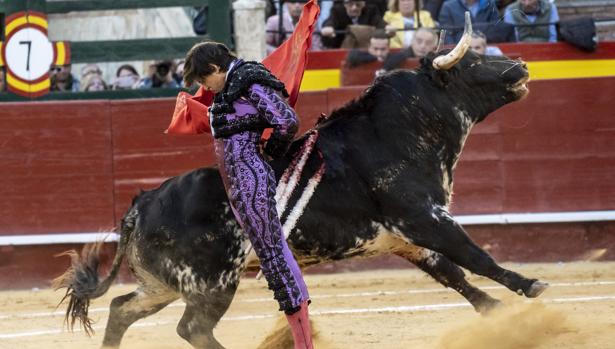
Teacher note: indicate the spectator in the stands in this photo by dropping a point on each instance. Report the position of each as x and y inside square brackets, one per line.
[62, 79]
[402, 15]
[126, 77]
[178, 74]
[453, 12]
[93, 82]
[326, 5]
[525, 12]
[325, 10]
[433, 7]
[159, 75]
[424, 41]
[377, 50]
[2, 80]
[478, 44]
[90, 69]
[381, 5]
[351, 12]
[291, 14]
[502, 4]
[271, 8]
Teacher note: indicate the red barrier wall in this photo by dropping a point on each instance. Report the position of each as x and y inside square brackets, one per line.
[55, 167]
[544, 51]
[75, 166]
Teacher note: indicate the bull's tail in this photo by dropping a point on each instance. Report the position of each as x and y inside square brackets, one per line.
[81, 280]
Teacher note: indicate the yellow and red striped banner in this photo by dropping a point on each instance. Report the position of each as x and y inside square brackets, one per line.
[61, 50]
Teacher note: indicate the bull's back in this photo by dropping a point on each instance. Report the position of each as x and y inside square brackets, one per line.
[185, 228]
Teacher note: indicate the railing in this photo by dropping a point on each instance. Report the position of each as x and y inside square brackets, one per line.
[218, 28]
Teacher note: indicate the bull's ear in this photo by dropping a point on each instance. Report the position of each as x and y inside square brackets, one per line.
[440, 78]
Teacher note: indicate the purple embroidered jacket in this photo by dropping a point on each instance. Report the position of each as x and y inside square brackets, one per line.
[250, 184]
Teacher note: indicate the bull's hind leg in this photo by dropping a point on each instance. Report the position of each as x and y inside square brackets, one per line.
[203, 311]
[438, 231]
[127, 309]
[449, 275]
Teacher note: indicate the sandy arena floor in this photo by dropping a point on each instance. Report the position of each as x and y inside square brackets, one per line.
[375, 309]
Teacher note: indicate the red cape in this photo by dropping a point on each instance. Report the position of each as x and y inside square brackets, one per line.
[287, 63]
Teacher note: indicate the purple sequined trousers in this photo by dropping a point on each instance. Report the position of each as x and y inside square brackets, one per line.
[251, 185]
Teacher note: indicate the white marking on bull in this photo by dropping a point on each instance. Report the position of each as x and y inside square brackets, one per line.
[388, 175]
[289, 181]
[307, 194]
[299, 207]
[466, 125]
[384, 242]
[439, 211]
[431, 257]
[447, 183]
[186, 280]
[286, 186]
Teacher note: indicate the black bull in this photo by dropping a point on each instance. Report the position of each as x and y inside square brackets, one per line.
[389, 159]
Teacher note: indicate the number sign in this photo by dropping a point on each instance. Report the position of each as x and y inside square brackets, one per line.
[28, 54]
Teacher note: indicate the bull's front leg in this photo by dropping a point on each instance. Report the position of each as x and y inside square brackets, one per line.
[449, 275]
[435, 229]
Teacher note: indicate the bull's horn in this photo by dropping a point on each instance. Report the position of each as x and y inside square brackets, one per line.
[445, 62]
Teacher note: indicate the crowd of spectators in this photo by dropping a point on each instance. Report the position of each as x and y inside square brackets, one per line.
[165, 74]
[2, 83]
[351, 23]
[369, 28]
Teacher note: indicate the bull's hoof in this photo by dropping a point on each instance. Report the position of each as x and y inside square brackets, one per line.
[537, 288]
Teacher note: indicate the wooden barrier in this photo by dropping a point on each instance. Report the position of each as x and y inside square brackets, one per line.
[74, 166]
[364, 74]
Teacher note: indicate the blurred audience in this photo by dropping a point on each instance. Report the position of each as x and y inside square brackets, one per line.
[379, 45]
[533, 12]
[452, 14]
[351, 12]
[90, 69]
[380, 5]
[93, 82]
[291, 14]
[159, 75]
[2, 80]
[126, 77]
[178, 75]
[325, 12]
[433, 7]
[62, 79]
[377, 50]
[478, 44]
[424, 41]
[401, 16]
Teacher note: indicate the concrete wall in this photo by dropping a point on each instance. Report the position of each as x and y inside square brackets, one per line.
[165, 22]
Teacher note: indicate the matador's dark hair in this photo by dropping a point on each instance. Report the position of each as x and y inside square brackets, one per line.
[201, 55]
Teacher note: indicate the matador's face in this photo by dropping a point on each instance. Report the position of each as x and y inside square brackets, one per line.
[214, 82]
